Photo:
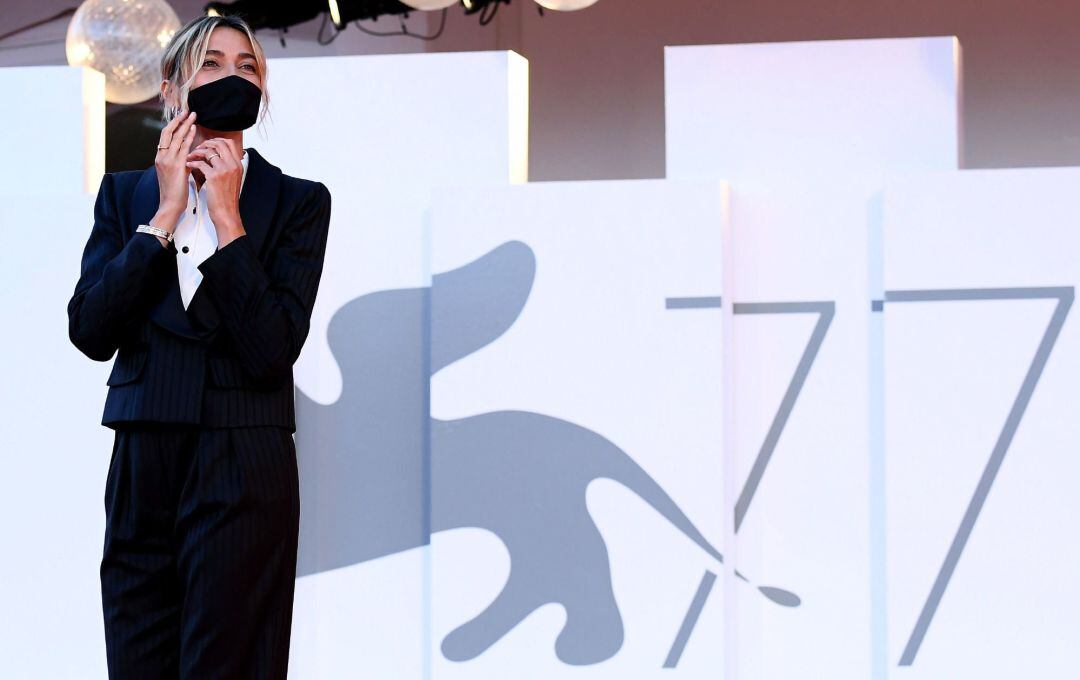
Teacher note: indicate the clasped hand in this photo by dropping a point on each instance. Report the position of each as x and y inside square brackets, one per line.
[218, 160]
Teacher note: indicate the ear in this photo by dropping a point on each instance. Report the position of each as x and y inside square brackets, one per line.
[169, 94]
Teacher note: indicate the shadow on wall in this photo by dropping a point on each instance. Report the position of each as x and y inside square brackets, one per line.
[520, 475]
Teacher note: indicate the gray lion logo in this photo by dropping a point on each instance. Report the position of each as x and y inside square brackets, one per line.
[378, 475]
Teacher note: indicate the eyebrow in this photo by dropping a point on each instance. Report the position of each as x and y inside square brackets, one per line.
[222, 54]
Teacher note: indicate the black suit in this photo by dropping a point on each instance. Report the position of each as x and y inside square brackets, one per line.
[226, 360]
[202, 495]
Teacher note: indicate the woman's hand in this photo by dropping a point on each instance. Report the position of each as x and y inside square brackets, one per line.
[172, 171]
[219, 161]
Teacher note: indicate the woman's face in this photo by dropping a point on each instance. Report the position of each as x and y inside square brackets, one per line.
[228, 53]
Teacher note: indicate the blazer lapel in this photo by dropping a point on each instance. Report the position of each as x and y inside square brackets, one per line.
[258, 200]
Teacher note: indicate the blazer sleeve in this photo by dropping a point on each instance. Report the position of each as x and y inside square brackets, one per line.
[117, 280]
[267, 310]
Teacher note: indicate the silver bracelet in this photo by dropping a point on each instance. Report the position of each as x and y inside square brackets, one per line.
[156, 231]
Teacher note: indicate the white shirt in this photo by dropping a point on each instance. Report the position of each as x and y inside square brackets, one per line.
[195, 231]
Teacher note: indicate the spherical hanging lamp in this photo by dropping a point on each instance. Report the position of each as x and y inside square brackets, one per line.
[565, 5]
[124, 39]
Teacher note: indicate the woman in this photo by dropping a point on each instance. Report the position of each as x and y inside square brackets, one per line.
[200, 274]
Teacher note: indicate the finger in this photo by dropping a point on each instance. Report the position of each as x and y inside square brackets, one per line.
[167, 132]
[171, 138]
[223, 148]
[231, 145]
[189, 139]
[186, 127]
[212, 157]
[208, 156]
[223, 159]
[207, 169]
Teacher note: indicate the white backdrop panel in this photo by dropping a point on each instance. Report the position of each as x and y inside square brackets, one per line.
[758, 110]
[355, 611]
[557, 311]
[54, 125]
[804, 132]
[52, 496]
[55, 454]
[404, 119]
[379, 131]
[982, 382]
[801, 310]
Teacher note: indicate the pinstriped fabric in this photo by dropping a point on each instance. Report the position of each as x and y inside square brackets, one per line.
[234, 407]
[174, 380]
[202, 498]
[117, 280]
[264, 304]
[199, 564]
[140, 591]
[267, 310]
[162, 383]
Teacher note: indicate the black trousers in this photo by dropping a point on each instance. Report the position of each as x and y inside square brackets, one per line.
[199, 563]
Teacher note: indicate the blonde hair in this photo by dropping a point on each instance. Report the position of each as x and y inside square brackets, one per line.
[186, 51]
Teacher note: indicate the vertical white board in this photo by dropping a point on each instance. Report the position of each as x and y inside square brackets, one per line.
[982, 382]
[379, 131]
[52, 494]
[811, 108]
[577, 426]
[56, 453]
[804, 133]
[53, 130]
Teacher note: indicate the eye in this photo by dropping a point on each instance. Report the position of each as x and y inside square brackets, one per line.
[209, 61]
[251, 66]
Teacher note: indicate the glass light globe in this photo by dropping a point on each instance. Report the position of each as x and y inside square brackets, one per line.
[429, 5]
[124, 39]
[565, 5]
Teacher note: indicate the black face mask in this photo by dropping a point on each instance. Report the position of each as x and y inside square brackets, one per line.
[227, 104]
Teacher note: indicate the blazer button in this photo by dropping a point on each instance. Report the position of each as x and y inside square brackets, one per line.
[184, 249]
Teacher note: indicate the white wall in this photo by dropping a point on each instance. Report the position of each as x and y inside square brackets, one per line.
[874, 465]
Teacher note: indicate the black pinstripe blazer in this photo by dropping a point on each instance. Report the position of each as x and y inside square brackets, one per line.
[227, 359]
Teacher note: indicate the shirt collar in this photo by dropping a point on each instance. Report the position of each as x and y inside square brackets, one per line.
[244, 162]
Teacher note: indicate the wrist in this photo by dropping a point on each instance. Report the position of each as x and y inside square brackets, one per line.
[166, 217]
[228, 231]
